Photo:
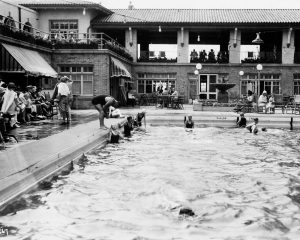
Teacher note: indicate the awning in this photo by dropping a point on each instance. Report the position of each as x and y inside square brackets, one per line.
[32, 62]
[118, 69]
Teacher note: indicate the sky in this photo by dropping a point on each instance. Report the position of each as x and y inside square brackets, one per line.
[188, 4]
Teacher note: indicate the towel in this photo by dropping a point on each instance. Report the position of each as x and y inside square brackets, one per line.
[8, 101]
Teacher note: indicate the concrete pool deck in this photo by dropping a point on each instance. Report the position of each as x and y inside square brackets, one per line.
[46, 147]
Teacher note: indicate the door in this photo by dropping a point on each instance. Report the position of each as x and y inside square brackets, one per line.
[206, 90]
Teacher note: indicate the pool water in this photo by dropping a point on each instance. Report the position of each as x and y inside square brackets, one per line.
[239, 185]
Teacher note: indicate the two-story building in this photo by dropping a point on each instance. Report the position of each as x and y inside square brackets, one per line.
[105, 51]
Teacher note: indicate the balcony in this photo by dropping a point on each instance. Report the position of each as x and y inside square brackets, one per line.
[161, 56]
[261, 57]
[203, 57]
[27, 33]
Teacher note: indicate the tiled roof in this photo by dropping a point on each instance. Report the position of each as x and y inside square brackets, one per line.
[40, 4]
[205, 16]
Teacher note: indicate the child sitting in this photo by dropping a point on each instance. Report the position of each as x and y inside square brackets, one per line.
[241, 121]
[252, 127]
[188, 123]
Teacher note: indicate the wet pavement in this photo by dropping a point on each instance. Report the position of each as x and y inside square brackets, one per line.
[44, 128]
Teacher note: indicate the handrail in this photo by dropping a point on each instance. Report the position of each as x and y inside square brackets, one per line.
[35, 31]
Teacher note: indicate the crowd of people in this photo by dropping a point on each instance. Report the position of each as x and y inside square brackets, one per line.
[22, 106]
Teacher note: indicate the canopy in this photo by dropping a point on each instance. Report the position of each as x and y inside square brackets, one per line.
[118, 69]
[32, 62]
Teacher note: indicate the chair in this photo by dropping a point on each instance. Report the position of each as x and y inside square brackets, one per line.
[296, 107]
[178, 103]
[54, 106]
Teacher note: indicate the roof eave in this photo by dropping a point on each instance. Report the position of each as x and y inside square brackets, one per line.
[60, 6]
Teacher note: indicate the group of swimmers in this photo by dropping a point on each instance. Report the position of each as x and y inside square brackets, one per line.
[241, 122]
[131, 124]
[252, 127]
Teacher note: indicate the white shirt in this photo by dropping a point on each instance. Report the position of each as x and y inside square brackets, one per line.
[63, 89]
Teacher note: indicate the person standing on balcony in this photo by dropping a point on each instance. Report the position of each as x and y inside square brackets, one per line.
[102, 104]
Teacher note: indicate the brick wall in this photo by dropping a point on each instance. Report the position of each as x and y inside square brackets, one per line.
[230, 71]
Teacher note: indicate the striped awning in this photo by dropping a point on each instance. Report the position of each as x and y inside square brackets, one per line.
[118, 69]
[31, 61]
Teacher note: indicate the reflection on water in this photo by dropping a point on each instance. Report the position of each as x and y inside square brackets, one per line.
[239, 186]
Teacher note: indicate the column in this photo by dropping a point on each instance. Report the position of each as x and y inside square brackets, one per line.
[131, 42]
[288, 46]
[234, 46]
[183, 55]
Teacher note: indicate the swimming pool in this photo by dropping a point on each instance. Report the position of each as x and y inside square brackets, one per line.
[240, 186]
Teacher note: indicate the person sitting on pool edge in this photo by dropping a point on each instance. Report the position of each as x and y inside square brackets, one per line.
[114, 135]
[128, 127]
[139, 117]
[188, 123]
[102, 104]
[241, 121]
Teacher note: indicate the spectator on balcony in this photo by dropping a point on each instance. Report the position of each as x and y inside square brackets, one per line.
[211, 56]
[194, 56]
[202, 56]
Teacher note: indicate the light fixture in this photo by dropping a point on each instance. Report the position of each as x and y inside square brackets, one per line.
[258, 40]
[259, 67]
[241, 73]
[159, 28]
[198, 38]
[196, 72]
[199, 66]
[83, 12]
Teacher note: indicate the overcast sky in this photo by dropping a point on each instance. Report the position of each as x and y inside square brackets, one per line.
[114, 4]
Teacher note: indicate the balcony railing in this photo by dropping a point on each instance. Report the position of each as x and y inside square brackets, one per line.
[211, 57]
[27, 33]
[162, 56]
[262, 57]
[297, 57]
[23, 32]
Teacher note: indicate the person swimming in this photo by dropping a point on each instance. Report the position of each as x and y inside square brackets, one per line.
[241, 121]
[252, 127]
[188, 122]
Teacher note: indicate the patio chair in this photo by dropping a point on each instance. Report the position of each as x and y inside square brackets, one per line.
[296, 107]
[178, 103]
[54, 106]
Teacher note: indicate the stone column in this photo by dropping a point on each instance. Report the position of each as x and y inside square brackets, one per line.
[288, 46]
[234, 46]
[131, 42]
[183, 55]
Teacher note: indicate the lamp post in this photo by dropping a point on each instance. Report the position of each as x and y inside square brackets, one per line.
[241, 73]
[259, 67]
[197, 72]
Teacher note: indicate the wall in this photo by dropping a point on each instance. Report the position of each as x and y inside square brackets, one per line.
[63, 14]
[101, 64]
[231, 70]
[6, 7]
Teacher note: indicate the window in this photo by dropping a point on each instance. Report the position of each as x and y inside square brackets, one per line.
[64, 28]
[269, 82]
[148, 82]
[82, 77]
[297, 84]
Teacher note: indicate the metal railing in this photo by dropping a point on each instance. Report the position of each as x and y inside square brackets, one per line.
[160, 56]
[27, 33]
[261, 57]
